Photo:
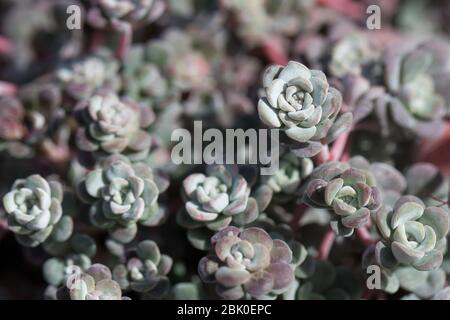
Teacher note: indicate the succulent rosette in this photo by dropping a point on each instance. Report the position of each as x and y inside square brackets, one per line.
[292, 171]
[350, 54]
[145, 270]
[94, 284]
[300, 102]
[13, 128]
[215, 200]
[121, 195]
[113, 13]
[412, 234]
[247, 262]
[349, 192]
[415, 76]
[111, 125]
[34, 212]
[80, 79]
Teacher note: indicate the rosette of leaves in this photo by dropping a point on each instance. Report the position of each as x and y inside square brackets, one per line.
[144, 270]
[412, 234]
[68, 257]
[121, 195]
[94, 284]
[111, 125]
[213, 201]
[349, 192]
[292, 171]
[427, 182]
[415, 78]
[329, 283]
[12, 127]
[81, 78]
[115, 13]
[143, 75]
[247, 262]
[300, 102]
[350, 54]
[34, 212]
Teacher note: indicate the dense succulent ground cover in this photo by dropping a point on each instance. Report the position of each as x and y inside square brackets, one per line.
[93, 207]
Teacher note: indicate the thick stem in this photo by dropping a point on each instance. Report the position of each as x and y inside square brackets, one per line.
[364, 236]
[126, 34]
[274, 51]
[326, 244]
[5, 46]
[7, 89]
[339, 146]
[322, 157]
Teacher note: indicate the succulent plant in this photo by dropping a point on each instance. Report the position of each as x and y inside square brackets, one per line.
[121, 195]
[301, 103]
[350, 54]
[110, 13]
[111, 125]
[247, 262]
[12, 127]
[215, 200]
[351, 194]
[68, 257]
[412, 234]
[81, 79]
[94, 284]
[412, 75]
[145, 270]
[292, 171]
[34, 211]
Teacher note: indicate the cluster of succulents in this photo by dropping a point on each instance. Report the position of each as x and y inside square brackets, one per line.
[94, 208]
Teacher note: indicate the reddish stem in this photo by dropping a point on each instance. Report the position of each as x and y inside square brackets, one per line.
[5, 46]
[339, 146]
[365, 237]
[274, 51]
[7, 89]
[349, 8]
[322, 157]
[126, 35]
[326, 244]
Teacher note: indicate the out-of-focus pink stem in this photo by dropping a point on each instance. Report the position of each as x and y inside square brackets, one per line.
[339, 146]
[5, 46]
[126, 34]
[364, 236]
[7, 89]
[322, 157]
[349, 8]
[274, 51]
[327, 243]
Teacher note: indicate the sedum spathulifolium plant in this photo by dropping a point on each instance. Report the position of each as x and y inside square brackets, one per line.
[96, 207]
[301, 103]
[247, 262]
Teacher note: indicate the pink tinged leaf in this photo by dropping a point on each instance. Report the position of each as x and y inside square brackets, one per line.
[432, 260]
[261, 258]
[257, 235]
[282, 274]
[343, 209]
[199, 215]
[332, 189]
[267, 114]
[280, 252]
[140, 141]
[438, 219]
[224, 245]
[357, 219]
[217, 204]
[405, 254]
[229, 277]
[406, 212]
[260, 284]
[191, 182]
